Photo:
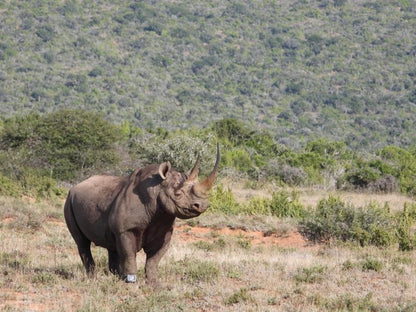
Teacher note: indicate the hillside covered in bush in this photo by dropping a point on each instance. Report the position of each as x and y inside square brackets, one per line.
[341, 70]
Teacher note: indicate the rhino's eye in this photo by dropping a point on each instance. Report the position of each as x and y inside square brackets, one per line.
[179, 195]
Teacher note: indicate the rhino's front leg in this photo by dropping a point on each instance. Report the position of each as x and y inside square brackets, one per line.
[154, 252]
[126, 250]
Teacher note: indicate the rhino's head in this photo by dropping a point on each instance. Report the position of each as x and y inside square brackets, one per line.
[182, 194]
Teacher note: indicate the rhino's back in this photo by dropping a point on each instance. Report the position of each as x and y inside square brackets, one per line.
[98, 190]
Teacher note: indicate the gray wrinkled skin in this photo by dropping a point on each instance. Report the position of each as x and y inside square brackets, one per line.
[127, 214]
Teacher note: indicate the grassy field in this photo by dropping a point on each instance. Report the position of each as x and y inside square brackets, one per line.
[215, 263]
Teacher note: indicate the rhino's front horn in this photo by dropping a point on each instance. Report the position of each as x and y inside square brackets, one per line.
[205, 186]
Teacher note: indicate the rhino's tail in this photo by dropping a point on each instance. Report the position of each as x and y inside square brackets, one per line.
[70, 220]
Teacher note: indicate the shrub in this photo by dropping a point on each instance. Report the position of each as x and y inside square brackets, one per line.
[180, 149]
[385, 184]
[30, 182]
[374, 175]
[285, 204]
[333, 219]
[288, 174]
[403, 166]
[9, 187]
[36, 184]
[232, 130]
[362, 177]
[404, 232]
[65, 143]
[16, 260]
[203, 245]
[222, 200]
[44, 278]
[256, 206]
[238, 159]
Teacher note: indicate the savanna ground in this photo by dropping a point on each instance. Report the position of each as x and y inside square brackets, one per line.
[215, 263]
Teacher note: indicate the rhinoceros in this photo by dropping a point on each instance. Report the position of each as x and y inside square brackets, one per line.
[127, 214]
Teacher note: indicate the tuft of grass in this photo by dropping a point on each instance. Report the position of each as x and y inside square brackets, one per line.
[43, 278]
[240, 296]
[194, 270]
[350, 302]
[244, 242]
[310, 275]
[203, 245]
[372, 264]
[348, 265]
[16, 260]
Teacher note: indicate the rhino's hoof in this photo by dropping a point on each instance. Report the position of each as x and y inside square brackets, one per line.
[130, 278]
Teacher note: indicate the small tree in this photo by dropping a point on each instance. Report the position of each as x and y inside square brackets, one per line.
[64, 143]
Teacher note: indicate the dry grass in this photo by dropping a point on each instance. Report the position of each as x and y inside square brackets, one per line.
[41, 271]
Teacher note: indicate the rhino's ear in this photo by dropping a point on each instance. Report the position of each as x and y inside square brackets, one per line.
[164, 169]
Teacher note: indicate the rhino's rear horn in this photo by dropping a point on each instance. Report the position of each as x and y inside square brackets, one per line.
[193, 175]
[205, 186]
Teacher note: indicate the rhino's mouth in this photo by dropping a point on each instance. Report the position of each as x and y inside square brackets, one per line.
[186, 213]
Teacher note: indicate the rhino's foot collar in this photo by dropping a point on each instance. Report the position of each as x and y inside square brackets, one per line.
[130, 278]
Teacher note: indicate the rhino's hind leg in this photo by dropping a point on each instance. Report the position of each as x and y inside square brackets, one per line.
[83, 243]
[87, 260]
[113, 262]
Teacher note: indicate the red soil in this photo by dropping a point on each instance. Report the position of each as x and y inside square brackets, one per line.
[288, 240]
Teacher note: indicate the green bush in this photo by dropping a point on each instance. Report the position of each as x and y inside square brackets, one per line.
[232, 130]
[30, 182]
[285, 204]
[404, 231]
[375, 175]
[256, 206]
[360, 176]
[333, 219]
[179, 148]
[222, 201]
[292, 176]
[403, 164]
[238, 159]
[36, 184]
[65, 143]
[8, 187]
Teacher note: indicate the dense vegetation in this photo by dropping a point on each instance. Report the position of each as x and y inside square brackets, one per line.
[67, 145]
[342, 70]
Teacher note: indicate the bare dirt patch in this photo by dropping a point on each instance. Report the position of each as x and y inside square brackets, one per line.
[292, 239]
